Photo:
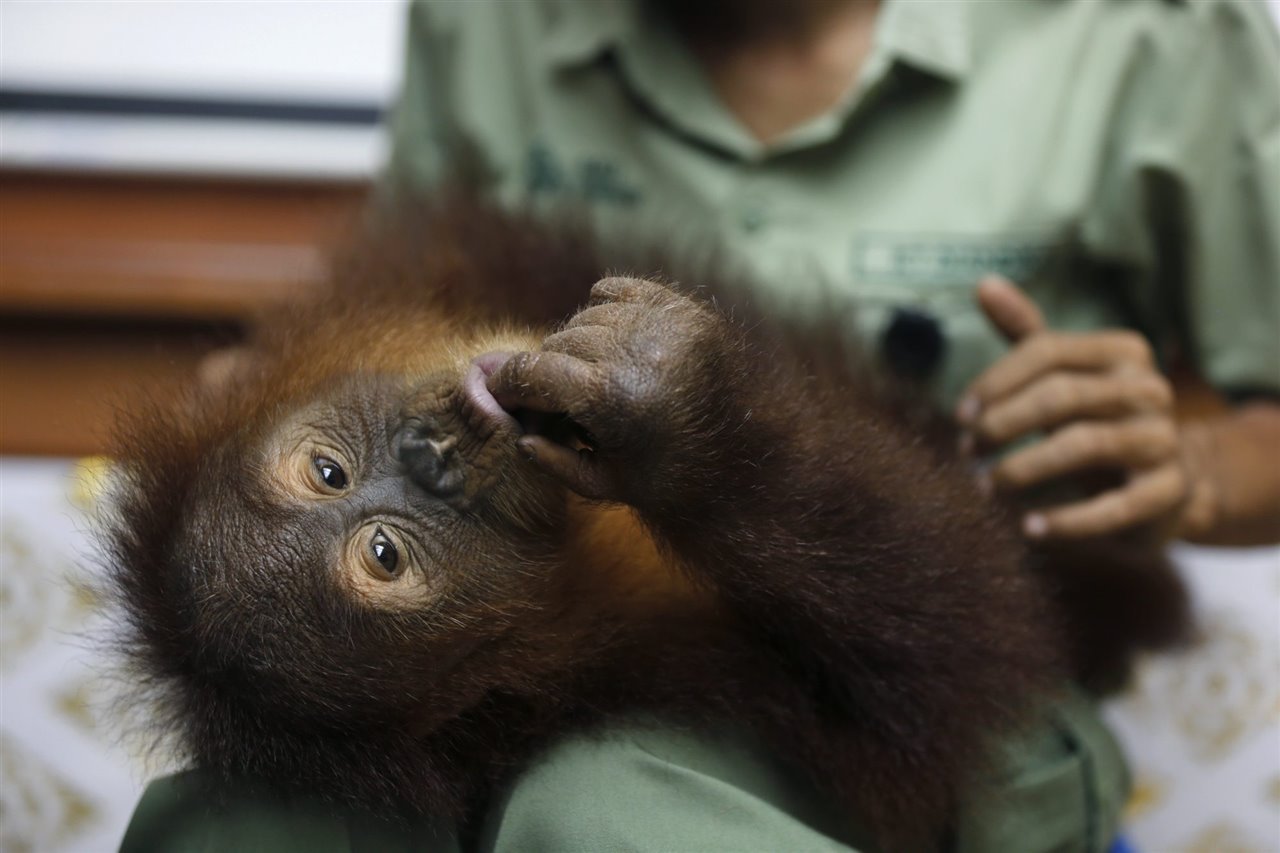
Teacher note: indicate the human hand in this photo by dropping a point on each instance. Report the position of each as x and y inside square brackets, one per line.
[1101, 403]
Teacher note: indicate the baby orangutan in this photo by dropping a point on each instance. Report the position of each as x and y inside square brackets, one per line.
[423, 531]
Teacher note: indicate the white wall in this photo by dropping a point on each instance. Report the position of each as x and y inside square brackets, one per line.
[294, 50]
[335, 49]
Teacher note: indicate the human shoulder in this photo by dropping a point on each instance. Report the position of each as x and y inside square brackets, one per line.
[1216, 13]
[1188, 67]
[1172, 19]
[1204, 23]
[453, 16]
[1221, 57]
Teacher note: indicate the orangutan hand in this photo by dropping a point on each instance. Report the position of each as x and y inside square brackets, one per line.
[1101, 403]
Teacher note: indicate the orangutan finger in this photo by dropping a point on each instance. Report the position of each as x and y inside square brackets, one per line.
[578, 469]
[620, 289]
[585, 343]
[545, 382]
[612, 314]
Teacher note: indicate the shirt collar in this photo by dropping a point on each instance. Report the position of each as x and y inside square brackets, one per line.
[584, 29]
[935, 36]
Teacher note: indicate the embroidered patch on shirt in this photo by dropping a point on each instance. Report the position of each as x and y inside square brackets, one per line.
[592, 179]
[924, 259]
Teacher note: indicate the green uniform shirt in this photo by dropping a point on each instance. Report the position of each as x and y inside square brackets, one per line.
[1119, 159]
[643, 787]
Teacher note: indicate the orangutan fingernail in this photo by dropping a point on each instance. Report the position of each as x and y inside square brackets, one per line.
[968, 409]
[966, 443]
[985, 484]
[1035, 525]
[527, 450]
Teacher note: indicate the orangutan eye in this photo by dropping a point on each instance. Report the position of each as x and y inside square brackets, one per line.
[330, 473]
[384, 555]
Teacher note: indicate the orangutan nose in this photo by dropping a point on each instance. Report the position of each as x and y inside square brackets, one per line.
[432, 463]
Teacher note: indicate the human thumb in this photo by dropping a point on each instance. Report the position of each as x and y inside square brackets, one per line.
[1010, 310]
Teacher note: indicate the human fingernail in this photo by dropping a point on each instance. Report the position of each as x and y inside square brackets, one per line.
[1035, 525]
[967, 409]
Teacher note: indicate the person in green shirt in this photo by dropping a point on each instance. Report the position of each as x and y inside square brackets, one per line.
[1119, 161]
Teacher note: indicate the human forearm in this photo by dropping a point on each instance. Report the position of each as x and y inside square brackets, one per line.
[1233, 463]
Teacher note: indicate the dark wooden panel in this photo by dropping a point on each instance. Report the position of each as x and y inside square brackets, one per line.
[112, 286]
[62, 382]
[129, 246]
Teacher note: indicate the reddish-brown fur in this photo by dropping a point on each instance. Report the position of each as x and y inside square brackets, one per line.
[810, 571]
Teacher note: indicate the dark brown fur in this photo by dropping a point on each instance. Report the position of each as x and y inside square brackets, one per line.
[805, 568]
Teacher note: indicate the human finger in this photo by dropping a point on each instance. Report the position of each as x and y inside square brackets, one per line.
[1009, 309]
[1058, 397]
[1049, 351]
[1147, 496]
[1137, 443]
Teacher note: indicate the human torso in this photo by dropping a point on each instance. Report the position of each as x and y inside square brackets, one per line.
[937, 168]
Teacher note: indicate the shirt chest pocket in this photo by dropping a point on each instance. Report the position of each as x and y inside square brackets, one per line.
[911, 289]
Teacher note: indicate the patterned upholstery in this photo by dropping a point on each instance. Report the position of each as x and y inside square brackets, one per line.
[1202, 729]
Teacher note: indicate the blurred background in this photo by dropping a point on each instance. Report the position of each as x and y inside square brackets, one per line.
[168, 169]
